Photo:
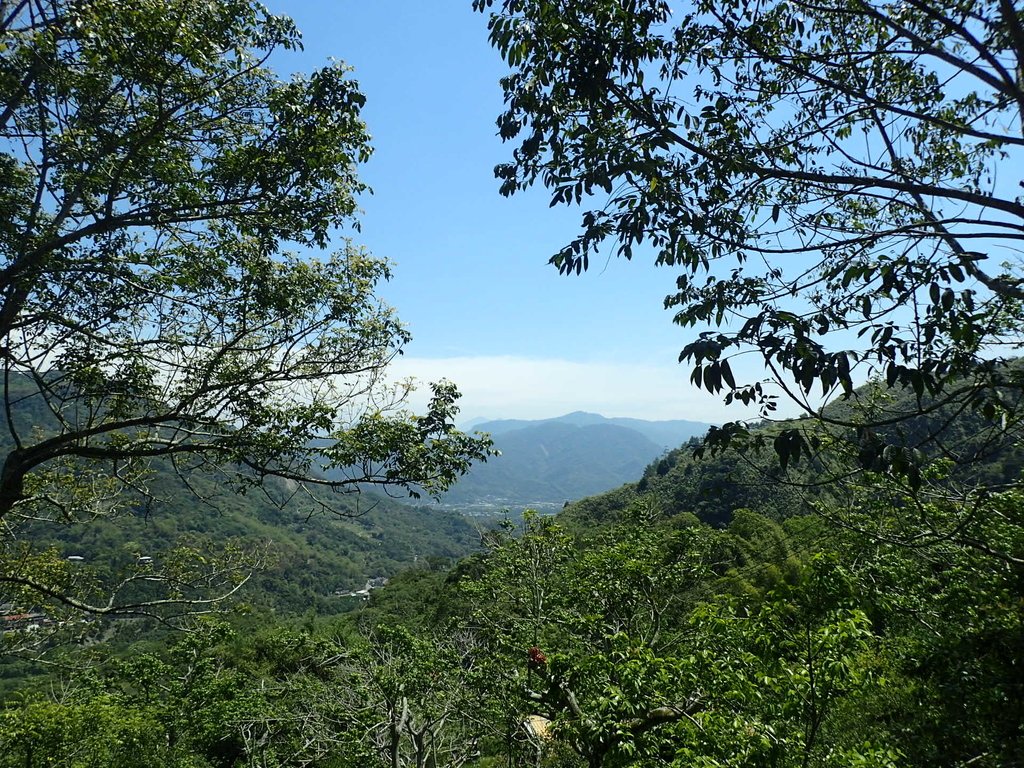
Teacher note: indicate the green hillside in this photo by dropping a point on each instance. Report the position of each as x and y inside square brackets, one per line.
[720, 611]
[302, 548]
[643, 640]
[307, 553]
[966, 448]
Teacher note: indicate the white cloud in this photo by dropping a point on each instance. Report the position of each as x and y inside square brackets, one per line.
[515, 387]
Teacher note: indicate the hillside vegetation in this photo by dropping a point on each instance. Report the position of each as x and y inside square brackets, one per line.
[974, 452]
[711, 612]
[300, 546]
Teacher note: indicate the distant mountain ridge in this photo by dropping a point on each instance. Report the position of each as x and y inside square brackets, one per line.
[667, 434]
[547, 462]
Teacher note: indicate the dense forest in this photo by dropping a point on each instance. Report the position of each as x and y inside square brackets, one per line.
[198, 424]
[620, 632]
[718, 611]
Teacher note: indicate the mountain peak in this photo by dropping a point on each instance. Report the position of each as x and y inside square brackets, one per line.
[579, 418]
[567, 457]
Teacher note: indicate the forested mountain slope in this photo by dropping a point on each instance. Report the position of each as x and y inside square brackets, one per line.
[963, 447]
[302, 547]
[303, 552]
[550, 461]
[650, 641]
[553, 462]
[709, 612]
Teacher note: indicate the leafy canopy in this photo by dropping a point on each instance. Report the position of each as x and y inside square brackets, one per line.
[836, 184]
[164, 197]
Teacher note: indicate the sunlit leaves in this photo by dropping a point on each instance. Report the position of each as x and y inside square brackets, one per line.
[155, 174]
[822, 177]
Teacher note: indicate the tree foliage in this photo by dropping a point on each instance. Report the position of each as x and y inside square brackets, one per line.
[165, 199]
[836, 184]
[652, 644]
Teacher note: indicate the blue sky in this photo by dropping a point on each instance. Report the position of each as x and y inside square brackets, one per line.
[471, 275]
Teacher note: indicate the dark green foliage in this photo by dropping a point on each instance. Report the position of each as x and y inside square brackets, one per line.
[947, 450]
[644, 641]
[710, 489]
[211, 701]
[303, 551]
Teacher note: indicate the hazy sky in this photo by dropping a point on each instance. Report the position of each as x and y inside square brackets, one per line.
[472, 280]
